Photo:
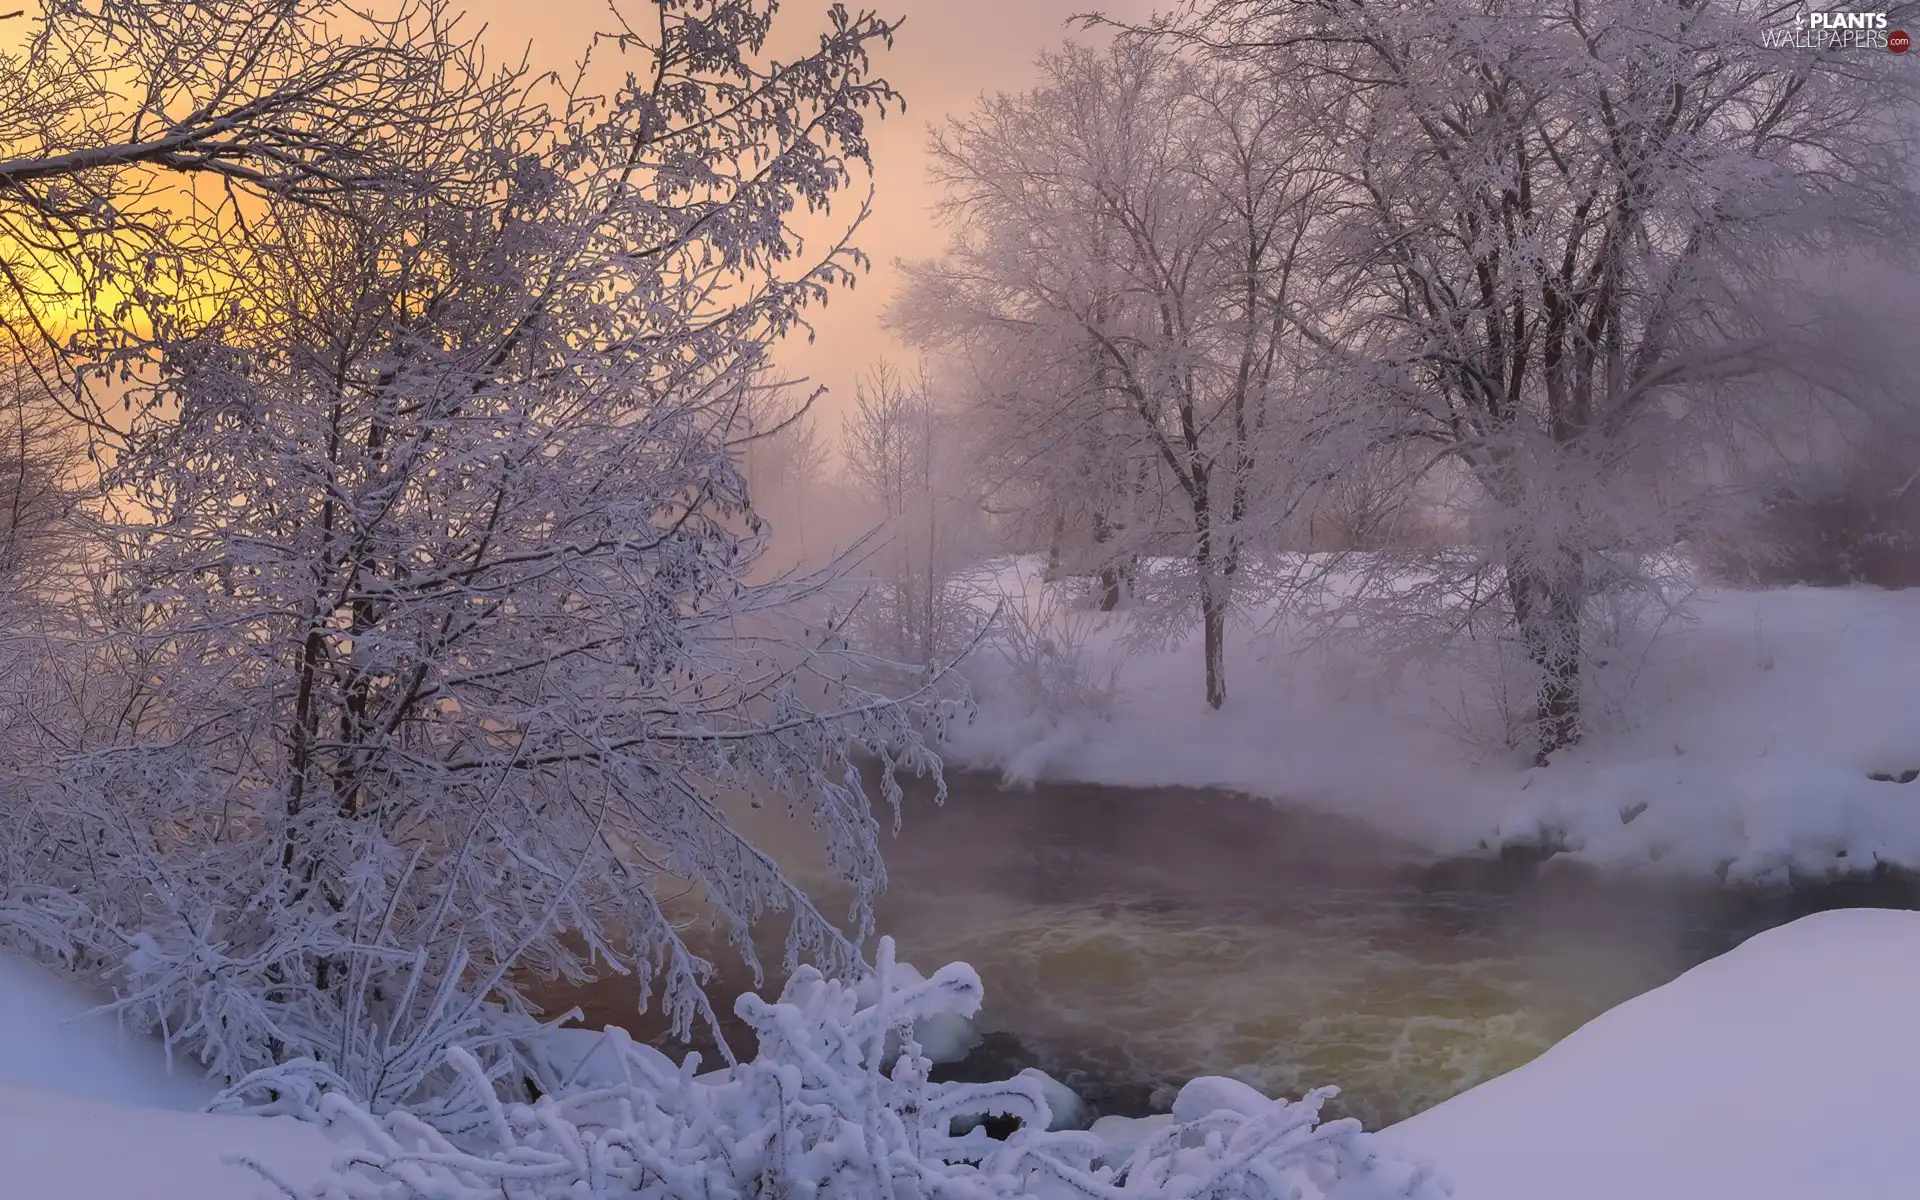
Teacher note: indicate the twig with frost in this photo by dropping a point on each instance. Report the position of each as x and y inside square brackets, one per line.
[820, 1113]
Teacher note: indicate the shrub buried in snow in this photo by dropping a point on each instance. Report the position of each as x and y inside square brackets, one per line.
[816, 1113]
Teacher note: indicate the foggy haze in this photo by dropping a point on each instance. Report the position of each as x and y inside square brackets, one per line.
[948, 53]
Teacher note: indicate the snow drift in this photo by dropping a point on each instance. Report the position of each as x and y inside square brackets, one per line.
[55, 1041]
[1780, 1071]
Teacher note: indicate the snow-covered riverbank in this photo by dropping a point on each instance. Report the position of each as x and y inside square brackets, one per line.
[1742, 739]
[1779, 1071]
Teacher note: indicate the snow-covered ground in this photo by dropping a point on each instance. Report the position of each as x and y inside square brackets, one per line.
[55, 1147]
[1784, 1070]
[1744, 740]
[1780, 1071]
[89, 1112]
[54, 1041]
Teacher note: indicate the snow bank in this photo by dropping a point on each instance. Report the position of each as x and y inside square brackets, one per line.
[1308, 733]
[1744, 746]
[1759, 730]
[1784, 1070]
[58, 1147]
[52, 1041]
[89, 1111]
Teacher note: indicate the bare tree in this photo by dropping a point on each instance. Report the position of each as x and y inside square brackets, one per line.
[898, 449]
[889, 439]
[40, 465]
[785, 462]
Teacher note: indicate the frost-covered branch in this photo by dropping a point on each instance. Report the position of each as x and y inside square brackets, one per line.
[836, 1104]
[426, 659]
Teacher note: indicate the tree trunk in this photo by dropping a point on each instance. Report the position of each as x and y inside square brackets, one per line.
[1109, 572]
[1547, 602]
[1213, 618]
[1213, 606]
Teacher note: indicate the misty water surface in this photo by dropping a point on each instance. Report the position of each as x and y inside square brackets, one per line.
[1131, 939]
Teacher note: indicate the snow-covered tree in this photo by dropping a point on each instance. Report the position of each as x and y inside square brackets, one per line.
[1132, 235]
[426, 592]
[1578, 243]
[134, 134]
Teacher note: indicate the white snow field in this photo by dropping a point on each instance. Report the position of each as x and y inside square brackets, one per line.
[1784, 1070]
[90, 1112]
[1741, 738]
[55, 1147]
[53, 1041]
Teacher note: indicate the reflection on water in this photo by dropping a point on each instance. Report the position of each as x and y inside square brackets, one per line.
[1134, 939]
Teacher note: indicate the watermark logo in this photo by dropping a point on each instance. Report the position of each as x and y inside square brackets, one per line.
[1839, 21]
[1837, 30]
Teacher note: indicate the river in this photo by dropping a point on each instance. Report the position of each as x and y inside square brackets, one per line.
[1132, 939]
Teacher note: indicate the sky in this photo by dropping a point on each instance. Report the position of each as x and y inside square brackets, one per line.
[947, 55]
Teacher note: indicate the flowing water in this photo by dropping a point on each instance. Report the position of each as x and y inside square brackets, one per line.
[1132, 939]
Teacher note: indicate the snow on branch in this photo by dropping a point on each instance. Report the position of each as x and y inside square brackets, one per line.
[423, 658]
[822, 1112]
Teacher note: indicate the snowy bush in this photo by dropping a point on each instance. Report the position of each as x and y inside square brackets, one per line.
[819, 1114]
